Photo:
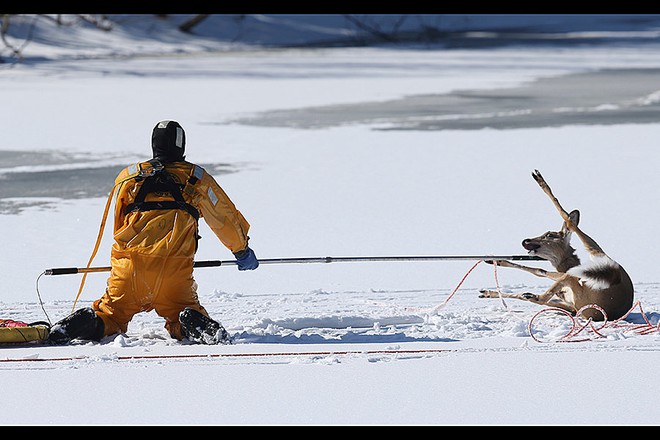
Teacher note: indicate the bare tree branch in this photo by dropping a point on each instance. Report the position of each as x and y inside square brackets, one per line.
[15, 51]
[100, 22]
[374, 29]
[188, 25]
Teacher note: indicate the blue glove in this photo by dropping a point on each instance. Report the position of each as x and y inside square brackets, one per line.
[246, 260]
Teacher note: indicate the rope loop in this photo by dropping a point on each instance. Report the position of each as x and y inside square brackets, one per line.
[593, 332]
[555, 310]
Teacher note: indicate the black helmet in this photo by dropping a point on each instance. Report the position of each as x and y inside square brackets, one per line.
[168, 141]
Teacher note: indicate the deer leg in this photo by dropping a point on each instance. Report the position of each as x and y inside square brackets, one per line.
[533, 270]
[486, 293]
[548, 298]
[546, 189]
[558, 295]
[588, 242]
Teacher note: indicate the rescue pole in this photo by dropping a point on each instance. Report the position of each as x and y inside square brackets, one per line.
[296, 260]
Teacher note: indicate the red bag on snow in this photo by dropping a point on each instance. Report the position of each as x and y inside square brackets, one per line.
[11, 323]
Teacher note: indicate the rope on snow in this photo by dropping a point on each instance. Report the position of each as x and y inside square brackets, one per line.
[592, 332]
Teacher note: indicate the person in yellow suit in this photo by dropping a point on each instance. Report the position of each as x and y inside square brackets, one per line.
[157, 207]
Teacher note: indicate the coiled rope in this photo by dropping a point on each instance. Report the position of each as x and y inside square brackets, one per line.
[587, 331]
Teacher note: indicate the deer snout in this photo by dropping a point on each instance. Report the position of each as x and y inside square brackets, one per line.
[530, 245]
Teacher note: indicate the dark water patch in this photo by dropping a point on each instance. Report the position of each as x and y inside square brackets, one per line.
[10, 158]
[65, 184]
[38, 178]
[602, 97]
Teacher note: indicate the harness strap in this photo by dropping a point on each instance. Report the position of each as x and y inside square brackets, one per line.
[162, 181]
[167, 204]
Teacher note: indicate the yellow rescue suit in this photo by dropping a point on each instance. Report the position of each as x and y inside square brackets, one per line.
[155, 242]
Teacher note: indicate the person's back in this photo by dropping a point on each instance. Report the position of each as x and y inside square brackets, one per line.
[157, 208]
[158, 232]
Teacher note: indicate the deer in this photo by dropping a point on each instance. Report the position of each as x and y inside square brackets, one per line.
[602, 282]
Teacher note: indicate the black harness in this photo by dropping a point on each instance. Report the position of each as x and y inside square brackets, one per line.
[158, 180]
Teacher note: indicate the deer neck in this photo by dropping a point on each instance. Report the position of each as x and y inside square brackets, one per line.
[565, 261]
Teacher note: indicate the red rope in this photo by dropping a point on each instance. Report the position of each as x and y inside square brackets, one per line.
[438, 307]
[435, 309]
[497, 284]
[592, 332]
[241, 355]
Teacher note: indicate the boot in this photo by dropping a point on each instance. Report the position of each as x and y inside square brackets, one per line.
[199, 328]
[81, 324]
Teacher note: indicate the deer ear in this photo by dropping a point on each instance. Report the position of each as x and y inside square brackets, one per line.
[575, 218]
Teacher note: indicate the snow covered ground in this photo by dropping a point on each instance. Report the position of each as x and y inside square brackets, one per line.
[368, 343]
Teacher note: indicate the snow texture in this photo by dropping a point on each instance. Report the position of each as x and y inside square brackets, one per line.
[365, 343]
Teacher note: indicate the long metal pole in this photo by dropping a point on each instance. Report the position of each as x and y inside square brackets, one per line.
[216, 263]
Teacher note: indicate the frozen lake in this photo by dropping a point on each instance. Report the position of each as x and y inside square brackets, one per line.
[602, 97]
[595, 97]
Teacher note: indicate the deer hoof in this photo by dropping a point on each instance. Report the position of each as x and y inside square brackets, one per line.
[530, 296]
[485, 293]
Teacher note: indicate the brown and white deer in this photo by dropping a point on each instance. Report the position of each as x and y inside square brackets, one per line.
[602, 282]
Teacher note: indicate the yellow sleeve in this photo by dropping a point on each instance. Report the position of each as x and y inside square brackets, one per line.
[220, 213]
[121, 195]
